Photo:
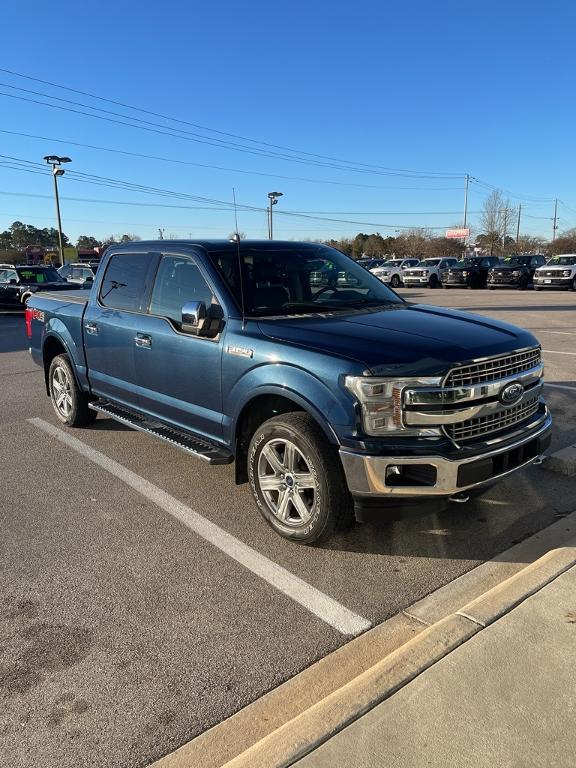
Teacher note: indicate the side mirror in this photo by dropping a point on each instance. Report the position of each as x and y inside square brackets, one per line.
[13, 282]
[194, 317]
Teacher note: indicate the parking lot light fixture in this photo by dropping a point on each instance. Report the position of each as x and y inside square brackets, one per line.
[273, 197]
[56, 162]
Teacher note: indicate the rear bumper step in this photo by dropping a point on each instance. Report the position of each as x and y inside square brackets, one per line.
[185, 441]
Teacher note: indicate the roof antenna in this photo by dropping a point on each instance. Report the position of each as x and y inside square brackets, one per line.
[236, 239]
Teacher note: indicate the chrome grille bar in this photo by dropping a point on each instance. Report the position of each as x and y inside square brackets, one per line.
[495, 422]
[493, 369]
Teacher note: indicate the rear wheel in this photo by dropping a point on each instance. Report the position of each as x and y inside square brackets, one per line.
[297, 480]
[68, 400]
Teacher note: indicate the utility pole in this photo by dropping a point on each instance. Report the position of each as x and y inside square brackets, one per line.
[505, 229]
[466, 199]
[56, 162]
[518, 222]
[555, 225]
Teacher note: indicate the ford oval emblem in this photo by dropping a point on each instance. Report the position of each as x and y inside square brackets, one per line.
[511, 393]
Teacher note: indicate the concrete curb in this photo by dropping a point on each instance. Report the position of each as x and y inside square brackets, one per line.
[419, 648]
[315, 726]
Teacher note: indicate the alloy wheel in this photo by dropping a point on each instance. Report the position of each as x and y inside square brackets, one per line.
[287, 483]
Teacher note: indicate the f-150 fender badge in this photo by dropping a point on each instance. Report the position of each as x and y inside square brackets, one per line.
[242, 351]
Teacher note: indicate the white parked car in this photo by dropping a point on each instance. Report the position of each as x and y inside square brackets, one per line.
[558, 272]
[428, 272]
[392, 272]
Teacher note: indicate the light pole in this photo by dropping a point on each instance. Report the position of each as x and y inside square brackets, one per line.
[56, 162]
[273, 197]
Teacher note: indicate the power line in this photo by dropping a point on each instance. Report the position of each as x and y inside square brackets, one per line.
[222, 168]
[211, 130]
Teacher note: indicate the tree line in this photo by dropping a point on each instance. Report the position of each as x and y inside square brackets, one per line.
[19, 236]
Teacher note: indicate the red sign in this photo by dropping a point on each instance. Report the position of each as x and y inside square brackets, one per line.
[456, 233]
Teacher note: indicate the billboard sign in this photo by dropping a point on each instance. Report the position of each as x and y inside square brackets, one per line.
[452, 234]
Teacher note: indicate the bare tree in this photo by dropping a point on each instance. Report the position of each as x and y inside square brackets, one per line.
[496, 222]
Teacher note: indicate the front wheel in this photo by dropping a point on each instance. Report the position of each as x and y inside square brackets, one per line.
[297, 480]
[573, 286]
[68, 400]
[395, 282]
[433, 282]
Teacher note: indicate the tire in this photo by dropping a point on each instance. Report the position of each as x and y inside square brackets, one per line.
[445, 287]
[324, 504]
[68, 400]
[25, 298]
[395, 281]
[573, 285]
[537, 288]
[523, 284]
[433, 282]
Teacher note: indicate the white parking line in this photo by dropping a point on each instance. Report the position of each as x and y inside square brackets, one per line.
[322, 606]
[560, 386]
[555, 352]
[559, 333]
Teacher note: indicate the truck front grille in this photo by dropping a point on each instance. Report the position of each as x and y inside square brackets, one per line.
[494, 369]
[495, 422]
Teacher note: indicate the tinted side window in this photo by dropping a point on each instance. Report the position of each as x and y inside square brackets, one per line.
[124, 283]
[178, 281]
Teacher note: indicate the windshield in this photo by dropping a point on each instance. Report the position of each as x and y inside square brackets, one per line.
[299, 280]
[562, 261]
[429, 263]
[468, 263]
[39, 275]
[516, 261]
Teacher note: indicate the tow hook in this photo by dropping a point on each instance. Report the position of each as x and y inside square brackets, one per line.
[460, 498]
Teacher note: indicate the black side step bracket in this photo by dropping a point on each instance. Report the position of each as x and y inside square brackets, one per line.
[185, 441]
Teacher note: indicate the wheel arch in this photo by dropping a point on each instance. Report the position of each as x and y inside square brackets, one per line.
[260, 408]
[52, 347]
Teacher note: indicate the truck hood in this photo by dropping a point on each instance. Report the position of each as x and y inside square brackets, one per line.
[405, 339]
[518, 268]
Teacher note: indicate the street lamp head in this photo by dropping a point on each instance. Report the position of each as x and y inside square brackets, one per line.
[56, 160]
[274, 195]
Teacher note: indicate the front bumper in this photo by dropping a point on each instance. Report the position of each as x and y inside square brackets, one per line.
[415, 280]
[371, 477]
[553, 282]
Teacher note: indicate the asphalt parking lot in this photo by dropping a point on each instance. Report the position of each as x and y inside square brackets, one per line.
[124, 633]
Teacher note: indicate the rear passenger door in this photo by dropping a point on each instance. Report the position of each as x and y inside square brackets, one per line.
[179, 373]
[110, 325]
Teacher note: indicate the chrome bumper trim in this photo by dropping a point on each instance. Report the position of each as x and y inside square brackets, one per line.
[366, 475]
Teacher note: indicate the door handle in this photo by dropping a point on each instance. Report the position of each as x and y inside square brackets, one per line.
[92, 329]
[143, 340]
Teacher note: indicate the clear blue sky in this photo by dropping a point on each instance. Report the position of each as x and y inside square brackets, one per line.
[441, 89]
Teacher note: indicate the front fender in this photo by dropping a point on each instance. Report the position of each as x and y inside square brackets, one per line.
[327, 405]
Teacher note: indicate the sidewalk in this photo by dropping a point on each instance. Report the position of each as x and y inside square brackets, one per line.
[505, 697]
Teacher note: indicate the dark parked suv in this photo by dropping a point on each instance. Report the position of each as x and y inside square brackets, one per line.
[514, 272]
[469, 273]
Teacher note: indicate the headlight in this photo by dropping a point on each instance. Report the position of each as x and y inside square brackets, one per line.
[424, 271]
[464, 273]
[516, 273]
[381, 402]
[566, 273]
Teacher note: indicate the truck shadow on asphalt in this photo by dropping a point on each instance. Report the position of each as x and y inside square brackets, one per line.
[476, 531]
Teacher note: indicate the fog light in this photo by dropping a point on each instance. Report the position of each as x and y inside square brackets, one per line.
[392, 471]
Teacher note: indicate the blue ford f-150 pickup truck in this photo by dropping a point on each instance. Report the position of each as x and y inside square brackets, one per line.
[330, 399]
